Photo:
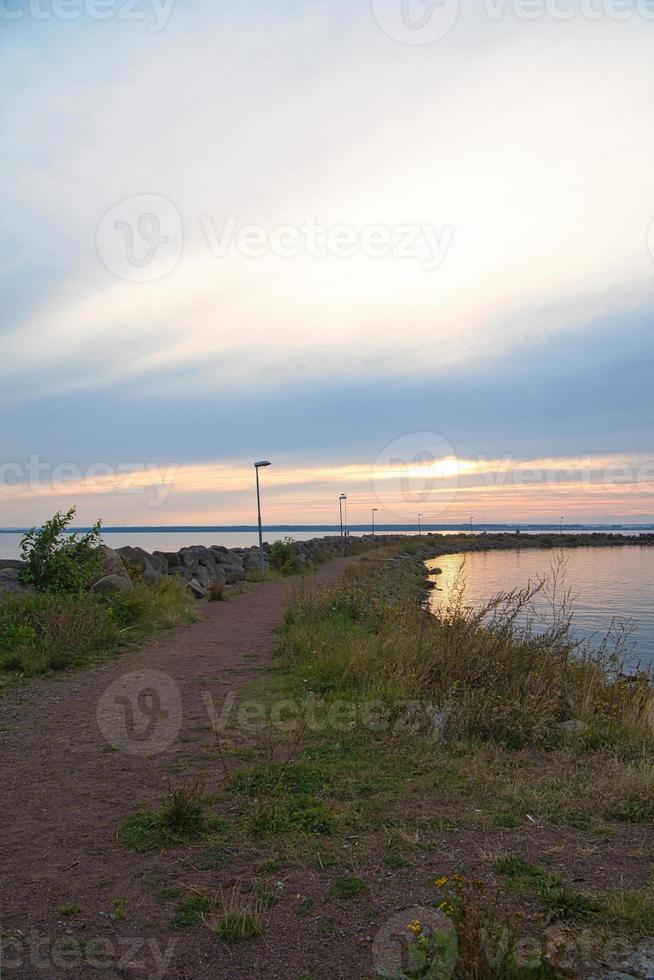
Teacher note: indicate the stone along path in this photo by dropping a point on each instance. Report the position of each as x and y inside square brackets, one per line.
[65, 790]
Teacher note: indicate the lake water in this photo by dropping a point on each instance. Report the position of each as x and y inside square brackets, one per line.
[172, 539]
[606, 583]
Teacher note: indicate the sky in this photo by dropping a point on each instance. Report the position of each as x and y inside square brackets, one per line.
[402, 249]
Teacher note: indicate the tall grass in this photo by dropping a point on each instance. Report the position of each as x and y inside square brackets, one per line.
[52, 632]
[489, 674]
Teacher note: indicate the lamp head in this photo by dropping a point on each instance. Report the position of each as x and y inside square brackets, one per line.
[262, 462]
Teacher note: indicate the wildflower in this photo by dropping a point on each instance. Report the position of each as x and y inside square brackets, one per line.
[441, 882]
[415, 927]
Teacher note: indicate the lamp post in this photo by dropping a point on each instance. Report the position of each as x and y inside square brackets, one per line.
[471, 520]
[419, 526]
[341, 499]
[261, 462]
[561, 526]
[373, 512]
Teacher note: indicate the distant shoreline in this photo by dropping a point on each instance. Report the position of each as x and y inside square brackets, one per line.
[363, 528]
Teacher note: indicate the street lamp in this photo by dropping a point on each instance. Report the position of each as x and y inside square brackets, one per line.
[373, 512]
[561, 526]
[341, 500]
[471, 520]
[262, 462]
[419, 526]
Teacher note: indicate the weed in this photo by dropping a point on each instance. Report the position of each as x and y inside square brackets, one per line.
[347, 886]
[182, 818]
[69, 910]
[235, 917]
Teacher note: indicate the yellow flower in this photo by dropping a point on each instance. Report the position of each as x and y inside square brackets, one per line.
[415, 927]
[441, 882]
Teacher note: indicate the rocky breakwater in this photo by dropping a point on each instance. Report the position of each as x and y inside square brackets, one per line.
[203, 569]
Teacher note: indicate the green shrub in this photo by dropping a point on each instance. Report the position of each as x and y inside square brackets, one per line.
[57, 631]
[182, 818]
[47, 631]
[284, 557]
[58, 561]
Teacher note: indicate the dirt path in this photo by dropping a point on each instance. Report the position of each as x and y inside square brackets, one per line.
[66, 788]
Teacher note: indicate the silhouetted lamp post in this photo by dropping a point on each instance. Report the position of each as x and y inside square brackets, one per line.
[341, 501]
[262, 462]
[373, 512]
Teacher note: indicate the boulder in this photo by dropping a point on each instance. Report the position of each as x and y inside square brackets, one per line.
[233, 573]
[112, 565]
[12, 563]
[199, 591]
[574, 726]
[173, 559]
[113, 583]
[228, 558]
[149, 568]
[10, 583]
[251, 560]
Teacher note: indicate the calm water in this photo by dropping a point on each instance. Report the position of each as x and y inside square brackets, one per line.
[607, 583]
[162, 539]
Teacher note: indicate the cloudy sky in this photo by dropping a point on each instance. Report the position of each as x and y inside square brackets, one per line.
[403, 250]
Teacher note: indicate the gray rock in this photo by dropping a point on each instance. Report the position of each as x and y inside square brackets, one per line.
[198, 590]
[228, 558]
[173, 559]
[574, 726]
[111, 564]
[233, 573]
[113, 583]
[11, 585]
[12, 563]
[145, 565]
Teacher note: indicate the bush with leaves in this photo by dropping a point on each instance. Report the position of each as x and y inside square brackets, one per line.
[284, 557]
[58, 561]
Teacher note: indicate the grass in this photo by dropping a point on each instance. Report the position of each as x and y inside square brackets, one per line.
[483, 742]
[347, 886]
[415, 738]
[232, 916]
[627, 910]
[283, 798]
[69, 910]
[48, 632]
[183, 818]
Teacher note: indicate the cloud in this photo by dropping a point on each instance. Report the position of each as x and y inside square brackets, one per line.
[531, 338]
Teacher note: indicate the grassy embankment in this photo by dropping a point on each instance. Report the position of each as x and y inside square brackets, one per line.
[513, 765]
[55, 632]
